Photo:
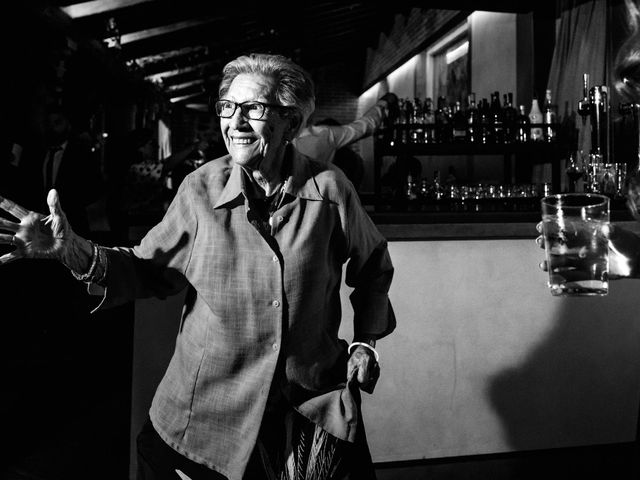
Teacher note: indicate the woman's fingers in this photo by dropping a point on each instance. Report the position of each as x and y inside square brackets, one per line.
[9, 226]
[6, 239]
[13, 208]
[9, 257]
[53, 201]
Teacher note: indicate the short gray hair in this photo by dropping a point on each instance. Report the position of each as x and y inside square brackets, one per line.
[295, 87]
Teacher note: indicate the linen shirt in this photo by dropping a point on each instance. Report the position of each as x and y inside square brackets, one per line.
[250, 303]
[320, 142]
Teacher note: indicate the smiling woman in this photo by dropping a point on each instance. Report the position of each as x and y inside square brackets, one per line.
[260, 384]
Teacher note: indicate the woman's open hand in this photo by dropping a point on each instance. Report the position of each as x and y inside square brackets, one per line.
[35, 235]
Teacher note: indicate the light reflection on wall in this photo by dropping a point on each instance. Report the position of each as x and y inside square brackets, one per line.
[402, 79]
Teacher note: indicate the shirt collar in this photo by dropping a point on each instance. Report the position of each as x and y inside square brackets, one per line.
[301, 182]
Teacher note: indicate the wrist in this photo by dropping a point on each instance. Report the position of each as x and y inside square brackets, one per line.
[366, 346]
[88, 274]
[371, 341]
[77, 253]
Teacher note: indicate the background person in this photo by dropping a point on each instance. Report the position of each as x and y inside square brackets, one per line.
[321, 141]
[259, 238]
[62, 160]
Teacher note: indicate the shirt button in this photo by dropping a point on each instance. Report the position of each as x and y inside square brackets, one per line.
[276, 303]
[275, 347]
[275, 258]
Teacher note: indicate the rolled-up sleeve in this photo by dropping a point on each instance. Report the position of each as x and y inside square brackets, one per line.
[343, 135]
[369, 272]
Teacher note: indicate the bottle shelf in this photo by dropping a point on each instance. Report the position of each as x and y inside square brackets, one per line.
[507, 209]
[464, 148]
[532, 152]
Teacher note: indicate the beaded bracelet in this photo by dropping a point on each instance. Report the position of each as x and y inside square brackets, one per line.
[84, 277]
[366, 345]
[103, 260]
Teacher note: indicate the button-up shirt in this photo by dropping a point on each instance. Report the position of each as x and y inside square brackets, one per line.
[251, 301]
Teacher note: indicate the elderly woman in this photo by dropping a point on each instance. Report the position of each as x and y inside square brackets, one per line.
[260, 385]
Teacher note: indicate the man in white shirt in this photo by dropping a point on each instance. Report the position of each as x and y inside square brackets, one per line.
[322, 141]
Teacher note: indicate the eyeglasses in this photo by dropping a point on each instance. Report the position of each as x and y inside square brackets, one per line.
[252, 110]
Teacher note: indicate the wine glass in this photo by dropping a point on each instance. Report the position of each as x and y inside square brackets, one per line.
[575, 171]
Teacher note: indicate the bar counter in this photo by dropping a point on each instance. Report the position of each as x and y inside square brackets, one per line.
[397, 226]
[484, 359]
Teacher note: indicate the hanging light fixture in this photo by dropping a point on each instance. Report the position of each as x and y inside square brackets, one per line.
[112, 37]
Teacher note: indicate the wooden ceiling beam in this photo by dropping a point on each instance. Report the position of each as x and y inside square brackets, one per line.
[96, 7]
[164, 29]
[182, 98]
[161, 76]
[168, 55]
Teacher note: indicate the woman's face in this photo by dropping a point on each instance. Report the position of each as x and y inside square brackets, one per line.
[255, 144]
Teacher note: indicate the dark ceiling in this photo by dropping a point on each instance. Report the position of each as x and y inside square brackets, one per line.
[182, 44]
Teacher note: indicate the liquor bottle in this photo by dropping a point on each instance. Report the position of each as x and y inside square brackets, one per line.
[437, 191]
[535, 118]
[486, 132]
[523, 126]
[408, 113]
[429, 122]
[400, 123]
[448, 113]
[443, 124]
[472, 120]
[410, 195]
[495, 117]
[575, 172]
[417, 122]
[549, 118]
[423, 192]
[459, 122]
[509, 114]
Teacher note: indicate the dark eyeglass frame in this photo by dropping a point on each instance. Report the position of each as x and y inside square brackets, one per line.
[217, 107]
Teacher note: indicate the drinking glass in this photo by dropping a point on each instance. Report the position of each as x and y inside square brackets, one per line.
[575, 227]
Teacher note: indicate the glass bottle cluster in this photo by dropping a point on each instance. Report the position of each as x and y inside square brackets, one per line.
[487, 122]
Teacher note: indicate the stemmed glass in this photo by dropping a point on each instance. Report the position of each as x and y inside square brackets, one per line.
[575, 171]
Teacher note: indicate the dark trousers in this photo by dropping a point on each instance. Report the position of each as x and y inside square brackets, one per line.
[158, 461]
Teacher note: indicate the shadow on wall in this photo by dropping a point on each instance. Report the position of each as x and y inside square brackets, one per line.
[581, 385]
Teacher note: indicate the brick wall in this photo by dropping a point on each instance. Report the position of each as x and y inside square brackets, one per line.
[335, 96]
[409, 35]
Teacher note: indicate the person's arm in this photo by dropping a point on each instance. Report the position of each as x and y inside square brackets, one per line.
[366, 125]
[156, 267]
[369, 271]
